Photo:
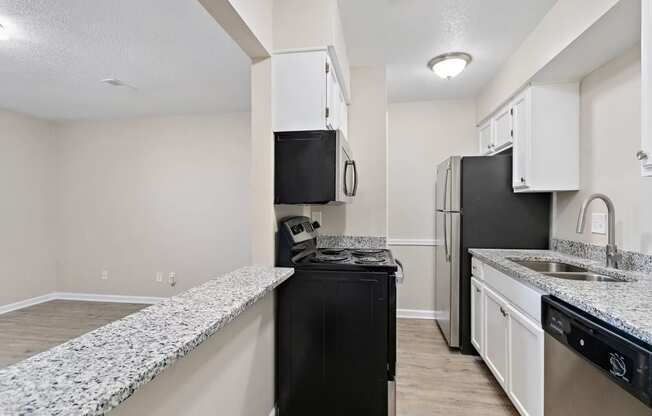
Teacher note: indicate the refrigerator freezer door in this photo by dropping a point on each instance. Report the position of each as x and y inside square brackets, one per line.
[447, 233]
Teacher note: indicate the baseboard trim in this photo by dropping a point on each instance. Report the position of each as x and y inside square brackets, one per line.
[416, 314]
[416, 242]
[88, 297]
[96, 297]
[26, 303]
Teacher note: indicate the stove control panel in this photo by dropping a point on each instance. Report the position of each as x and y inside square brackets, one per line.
[301, 229]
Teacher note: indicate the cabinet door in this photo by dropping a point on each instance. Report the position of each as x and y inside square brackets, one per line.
[333, 344]
[332, 97]
[525, 364]
[495, 335]
[486, 138]
[645, 155]
[521, 150]
[477, 313]
[343, 114]
[503, 128]
[299, 93]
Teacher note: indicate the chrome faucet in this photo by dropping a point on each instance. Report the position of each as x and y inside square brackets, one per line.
[613, 257]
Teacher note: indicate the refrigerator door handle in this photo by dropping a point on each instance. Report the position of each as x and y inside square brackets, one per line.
[446, 210]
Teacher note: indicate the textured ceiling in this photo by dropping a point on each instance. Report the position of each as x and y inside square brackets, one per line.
[405, 34]
[177, 58]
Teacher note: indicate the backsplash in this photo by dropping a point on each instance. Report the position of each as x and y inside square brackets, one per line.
[348, 241]
[631, 260]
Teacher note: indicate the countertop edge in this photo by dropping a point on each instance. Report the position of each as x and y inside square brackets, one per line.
[21, 393]
[596, 309]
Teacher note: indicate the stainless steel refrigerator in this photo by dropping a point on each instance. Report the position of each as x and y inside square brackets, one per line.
[475, 207]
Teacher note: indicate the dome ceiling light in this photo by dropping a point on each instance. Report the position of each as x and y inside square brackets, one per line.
[449, 65]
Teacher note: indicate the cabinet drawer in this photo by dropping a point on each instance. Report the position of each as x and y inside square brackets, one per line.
[477, 268]
[525, 298]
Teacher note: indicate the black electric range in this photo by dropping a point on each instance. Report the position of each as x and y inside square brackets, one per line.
[336, 326]
[363, 259]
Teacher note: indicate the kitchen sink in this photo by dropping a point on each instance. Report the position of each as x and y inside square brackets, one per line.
[565, 271]
[550, 266]
[586, 276]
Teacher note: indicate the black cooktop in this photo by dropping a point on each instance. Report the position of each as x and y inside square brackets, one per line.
[349, 259]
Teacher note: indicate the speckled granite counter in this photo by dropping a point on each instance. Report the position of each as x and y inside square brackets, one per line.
[626, 305]
[94, 373]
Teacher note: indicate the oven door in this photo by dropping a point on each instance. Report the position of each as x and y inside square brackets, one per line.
[346, 171]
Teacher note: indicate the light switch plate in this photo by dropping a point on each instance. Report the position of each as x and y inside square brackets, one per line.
[599, 223]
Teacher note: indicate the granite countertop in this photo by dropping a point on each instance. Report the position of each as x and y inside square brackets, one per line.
[626, 305]
[95, 372]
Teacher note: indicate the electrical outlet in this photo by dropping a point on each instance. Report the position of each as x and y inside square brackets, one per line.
[159, 277]
[104, 275]
[172, 279]
[316, 216]
[599, 223]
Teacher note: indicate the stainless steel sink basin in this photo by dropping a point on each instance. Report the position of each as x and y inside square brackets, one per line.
[587, 277]
[565, 271]
[550, 267]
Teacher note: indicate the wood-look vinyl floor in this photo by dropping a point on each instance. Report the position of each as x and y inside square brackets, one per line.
[433, 380]
[29, 331]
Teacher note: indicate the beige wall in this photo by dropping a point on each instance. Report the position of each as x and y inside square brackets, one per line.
[367, 215]
[147, 195]
[422, 134]
[230, 374]
[28, 208]
[610, 137]
[564, 23]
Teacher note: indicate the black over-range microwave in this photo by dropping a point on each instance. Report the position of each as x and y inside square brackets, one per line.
[313, 167]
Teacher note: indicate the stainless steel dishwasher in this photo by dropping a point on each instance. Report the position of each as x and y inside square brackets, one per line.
[592, 368]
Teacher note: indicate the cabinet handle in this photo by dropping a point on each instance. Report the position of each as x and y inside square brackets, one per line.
[503, 311]
[522, 180]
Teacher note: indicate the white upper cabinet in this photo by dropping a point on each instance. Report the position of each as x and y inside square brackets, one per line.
[503, 129]
[546, 121]
[486, 136]
[542, 125]
[307, 93]
[645, 154]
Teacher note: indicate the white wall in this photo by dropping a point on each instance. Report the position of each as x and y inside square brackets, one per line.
[422, 134]
[610, 137]
[557, 30]
[232, 373]
[367, 215]
[28, 208]
[147, 195]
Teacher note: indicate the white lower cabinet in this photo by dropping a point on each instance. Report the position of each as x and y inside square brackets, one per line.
[525, 379]
[509, 340]
[477, 315]
[495, 329]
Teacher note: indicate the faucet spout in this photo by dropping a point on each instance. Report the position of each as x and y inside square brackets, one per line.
[612, 249]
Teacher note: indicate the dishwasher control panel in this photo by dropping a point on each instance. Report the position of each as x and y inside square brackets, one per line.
[624, 360]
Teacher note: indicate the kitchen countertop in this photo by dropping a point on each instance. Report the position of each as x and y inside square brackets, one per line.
[95, 372]
[626, 305]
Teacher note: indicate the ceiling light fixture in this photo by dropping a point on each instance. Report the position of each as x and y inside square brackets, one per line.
[4, 34]
[449, 65]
